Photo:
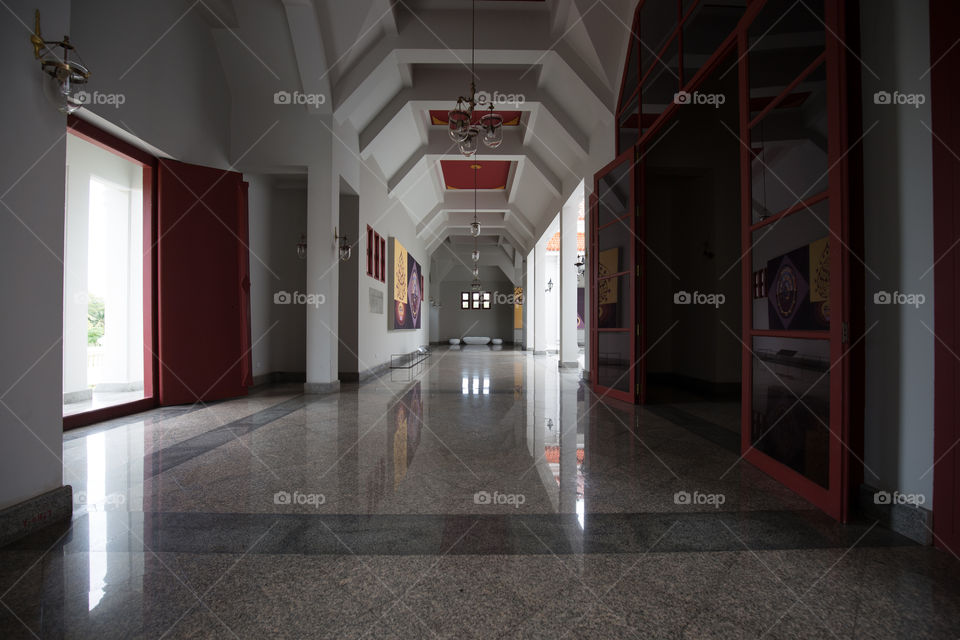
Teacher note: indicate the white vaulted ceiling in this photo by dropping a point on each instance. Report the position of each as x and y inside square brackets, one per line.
[383, 64]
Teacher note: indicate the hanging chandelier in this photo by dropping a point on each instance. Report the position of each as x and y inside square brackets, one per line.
[460, 120]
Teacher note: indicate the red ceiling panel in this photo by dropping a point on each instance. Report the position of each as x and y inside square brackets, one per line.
[491, 174]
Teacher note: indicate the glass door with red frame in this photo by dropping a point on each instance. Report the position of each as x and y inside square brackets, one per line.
[795, 426]
[615, 331]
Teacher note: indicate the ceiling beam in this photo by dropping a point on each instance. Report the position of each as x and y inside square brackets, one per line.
[426, 37]
[308, 48]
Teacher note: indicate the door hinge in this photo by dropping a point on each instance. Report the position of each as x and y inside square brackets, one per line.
[638, 389]
[844, 333]
[638, 271]
[638, 329]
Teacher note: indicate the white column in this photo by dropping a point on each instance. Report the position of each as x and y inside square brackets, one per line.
[568, 281]
[539, 286]
[529, 303]
[323, 204]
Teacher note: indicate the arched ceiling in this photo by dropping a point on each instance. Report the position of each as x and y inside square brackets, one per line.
[385, 65]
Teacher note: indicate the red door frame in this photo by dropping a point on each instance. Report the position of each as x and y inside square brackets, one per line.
[944, 22]
[844, 181]
[844, 428]
[632, 396]
[151, 365]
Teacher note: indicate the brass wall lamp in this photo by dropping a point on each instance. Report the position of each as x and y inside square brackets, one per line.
[67, 76]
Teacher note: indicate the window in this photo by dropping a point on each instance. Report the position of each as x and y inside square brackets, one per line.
[376, 255]
[369, 251]
[383, 260]
[475, 300]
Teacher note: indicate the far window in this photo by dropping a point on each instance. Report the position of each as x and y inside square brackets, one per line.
[475, 300]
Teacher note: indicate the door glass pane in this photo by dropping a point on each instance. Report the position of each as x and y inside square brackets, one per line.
[794, 433]
[705, 29]
[784, 39]
[632, 73]
[658, 21]
[615, 245]
[790, 148]
[613, 302]
[628, 125]
[660, 87]
[614, 359]
[613, 194]
[794, 255]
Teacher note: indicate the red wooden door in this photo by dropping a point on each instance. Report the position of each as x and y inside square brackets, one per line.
[944, 22]
[202, 284]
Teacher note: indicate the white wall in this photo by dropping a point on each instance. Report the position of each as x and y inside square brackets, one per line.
[390, 219]
[898, 211]
[175, 94]
[496, 322]
[32, 170]
[277, 217]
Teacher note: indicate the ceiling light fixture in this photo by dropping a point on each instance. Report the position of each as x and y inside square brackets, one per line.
[66, 76]
[302, 247]
[460, 119]
[343, 247]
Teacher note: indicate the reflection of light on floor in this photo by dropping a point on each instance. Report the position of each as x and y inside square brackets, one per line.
[465, 385]
[96, 519]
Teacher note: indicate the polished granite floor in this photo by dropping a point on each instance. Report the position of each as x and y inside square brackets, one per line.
[492, 496]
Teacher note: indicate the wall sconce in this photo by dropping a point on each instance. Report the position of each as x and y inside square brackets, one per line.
[549, 285]
[580, 265]
[343, 247]
[302, 247]
[66, 76]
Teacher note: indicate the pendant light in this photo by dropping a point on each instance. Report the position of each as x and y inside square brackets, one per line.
[475, 231]
[460, 124]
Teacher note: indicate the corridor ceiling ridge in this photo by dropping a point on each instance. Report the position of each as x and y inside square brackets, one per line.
[390, 71]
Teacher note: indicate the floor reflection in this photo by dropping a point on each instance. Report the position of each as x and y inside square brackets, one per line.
[493, 455]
